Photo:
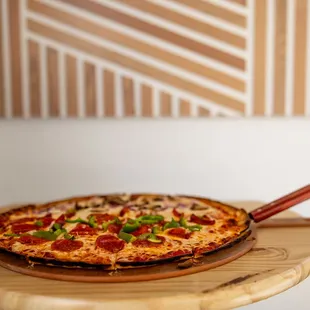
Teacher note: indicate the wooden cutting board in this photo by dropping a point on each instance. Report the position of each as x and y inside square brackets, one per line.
[279, 260]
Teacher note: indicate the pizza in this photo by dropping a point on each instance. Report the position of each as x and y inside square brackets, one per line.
[120, 231]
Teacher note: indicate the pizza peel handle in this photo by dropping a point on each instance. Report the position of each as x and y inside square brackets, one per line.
[280, 204]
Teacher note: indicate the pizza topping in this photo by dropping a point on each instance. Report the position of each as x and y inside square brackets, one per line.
[65, 245]
[150, 237]
[116, 221]
[156, 230]
[78, 220]
[176, 213]
[92, 222]
[22, 228]
[147, 243]
[115, 228]
[196, 206]
[179, 232]
[83, 230]
[204, 220]
[46, 221]
[172, 224]
[31, 240]
[101, 218]
[45, 235]
[23, 220]
[184, 224]
[131, 226]
[126, 237]
[124, 211]
[38, 223]
[61, 220]
[110, 243]
[11, 235]
[142, 230]
[150, 219]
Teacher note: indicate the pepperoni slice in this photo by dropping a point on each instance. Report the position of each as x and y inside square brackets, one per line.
[22, 228]
[142, 230]
[61, 220]
[176, 213]
[31, 240]
[83, 230]
[148, 244]
[110, 243]
[47, 220]
[65, 245]
[114, 228]
[205, 220]
[179, 232]
[124, 211]
[23, 220]
[101, 218]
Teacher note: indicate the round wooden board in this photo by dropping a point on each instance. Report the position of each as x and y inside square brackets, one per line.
[279, 260]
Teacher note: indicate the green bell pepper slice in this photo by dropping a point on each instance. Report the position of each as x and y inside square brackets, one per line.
[45, 235]
[126, 237]
[130, 227]
[172, 224]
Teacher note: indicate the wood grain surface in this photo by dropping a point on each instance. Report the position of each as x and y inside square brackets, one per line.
[279, 261]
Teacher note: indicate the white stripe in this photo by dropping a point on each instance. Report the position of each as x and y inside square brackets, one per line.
[170, 26]
[307, 109]
[43, 78]
[187, 11]
[156, 101]
[194, 109]
[24, 60]
[226, 4]
[137, 76]
[191, 77]
[270, 46]
[99, 91]
[118, 95]
[250, 60]
[175, 105]
[62, 95]
[6, 60]
[80, 86]
[290, 45]
[209, 62]
[137, 96]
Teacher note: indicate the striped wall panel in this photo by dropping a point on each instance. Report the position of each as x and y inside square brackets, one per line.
[154, 58]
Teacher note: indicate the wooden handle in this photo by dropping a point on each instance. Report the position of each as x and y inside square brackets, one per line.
[285, 222]
[280, 204]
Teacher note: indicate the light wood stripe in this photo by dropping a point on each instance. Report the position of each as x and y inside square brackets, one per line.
[280, 57]
[147, 100]
[203, 112]
[159, 32]
[242, 2]
[165, 104]
[109, 93]
[216, 11]
[300, 57]
[90, 89]
[15, 54]
[128, 95]
[260, 57]
[185, 108]
[35, 79]
[71, 73]
[187, 21]
[151, 50]
[2, 89]
[52, 82]
[136, 66]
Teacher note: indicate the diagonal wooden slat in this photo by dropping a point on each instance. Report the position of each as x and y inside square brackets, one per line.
[186, 21]
[137, 66]
[242, 2]
[137, 45]
[159, 32]
[214, 10]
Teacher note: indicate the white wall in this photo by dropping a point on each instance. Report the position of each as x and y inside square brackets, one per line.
[225, 159]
